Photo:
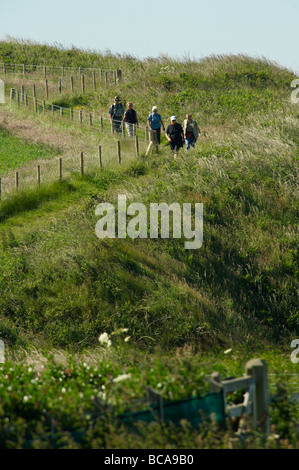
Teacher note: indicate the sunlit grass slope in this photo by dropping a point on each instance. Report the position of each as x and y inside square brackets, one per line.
[61, 287]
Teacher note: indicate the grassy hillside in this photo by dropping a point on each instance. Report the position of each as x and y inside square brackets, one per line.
[15, 152]
[60, 286]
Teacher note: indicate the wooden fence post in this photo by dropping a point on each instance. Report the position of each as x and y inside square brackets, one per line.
[118, 152]
[22, 93]
[71, 114]
[12, 94]
[38, 175]
[59, 86]
[100, 156]
[94, 81]
[26, 99]
[82, 164]
[80, 116]
[44, 107]
[155, 398]
[18, 97]
[153, 141]
[106, 79]
[4, 69]
[257, 369]
[62, 72]
[83, 83]
[35, 104]
[101, 123]
[90, 119]
[118, 74]
[60, 169]
[17, 180]
[137, 145]
[72, 83]
[215, 385]
[34, 91]
[47, 89]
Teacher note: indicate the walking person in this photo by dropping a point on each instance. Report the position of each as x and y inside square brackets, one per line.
[116, 112]
[191, 131]
[155, 122]
[175, 135]
[130, 118]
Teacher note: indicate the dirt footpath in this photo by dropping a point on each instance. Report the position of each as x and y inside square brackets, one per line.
[30, 129]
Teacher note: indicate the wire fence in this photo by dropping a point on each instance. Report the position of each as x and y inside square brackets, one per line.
[33, 71]
[128, 139]
[121, 147]
[81, 116]
[57, 85]
[47, 170]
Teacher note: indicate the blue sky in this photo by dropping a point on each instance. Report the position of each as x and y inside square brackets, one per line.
[260, 28]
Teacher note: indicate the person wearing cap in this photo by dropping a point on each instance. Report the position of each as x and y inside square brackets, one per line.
[155, 122]
[191, 131]
[174, 134]
[116, 112]
[130, 118]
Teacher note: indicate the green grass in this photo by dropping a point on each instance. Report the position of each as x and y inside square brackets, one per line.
[61, 287]
[73, 402]
[216, 89]
[15, 151]
[210, 297]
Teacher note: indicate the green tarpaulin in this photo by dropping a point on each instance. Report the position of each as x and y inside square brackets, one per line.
[195, 410]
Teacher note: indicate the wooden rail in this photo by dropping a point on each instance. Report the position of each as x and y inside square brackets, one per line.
[256, 398]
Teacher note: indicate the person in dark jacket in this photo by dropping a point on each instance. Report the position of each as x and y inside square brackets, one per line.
[131, 119]
[116, 112]
[175, 135]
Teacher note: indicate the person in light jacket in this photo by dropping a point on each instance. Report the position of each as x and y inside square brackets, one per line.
[191, 131]
[154, 122]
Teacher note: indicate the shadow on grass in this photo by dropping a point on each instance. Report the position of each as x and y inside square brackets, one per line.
[32, 198]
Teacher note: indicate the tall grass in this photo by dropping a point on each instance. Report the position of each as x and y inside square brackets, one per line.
[61, 287]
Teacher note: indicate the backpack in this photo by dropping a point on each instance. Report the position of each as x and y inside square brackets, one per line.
[115, 110]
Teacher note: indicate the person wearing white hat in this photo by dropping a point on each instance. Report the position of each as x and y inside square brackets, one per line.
[155, 122]
[174, 134]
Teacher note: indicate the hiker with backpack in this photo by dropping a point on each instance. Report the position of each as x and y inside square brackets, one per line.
[155, 122]
[175, 135]
[130, 118]
[116, 112]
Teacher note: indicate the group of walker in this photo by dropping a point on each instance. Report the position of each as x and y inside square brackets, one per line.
[176, 134]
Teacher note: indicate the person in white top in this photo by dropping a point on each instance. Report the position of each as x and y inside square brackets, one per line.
[191, 131]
